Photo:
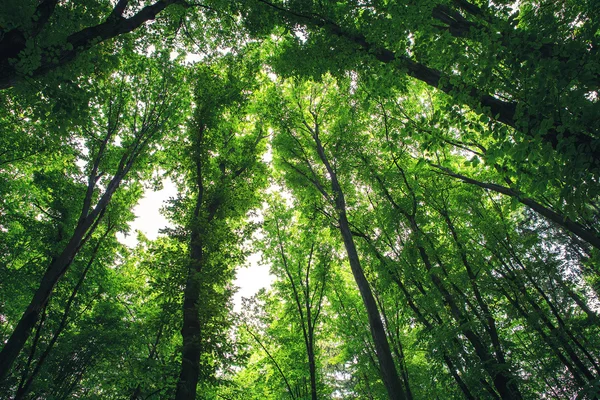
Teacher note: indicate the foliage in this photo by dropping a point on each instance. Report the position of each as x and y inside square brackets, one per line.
[420, 177]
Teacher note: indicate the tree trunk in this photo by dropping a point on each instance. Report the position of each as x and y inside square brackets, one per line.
[24, 387]
[190, 357]
[310, 339]
[489, 321]
[421, 318]
[503, 381]
[87, 224]
[55, 271]
[387, 367]
[191, 330]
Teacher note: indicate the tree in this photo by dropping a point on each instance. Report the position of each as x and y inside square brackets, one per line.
[308, 120]
[131, 124]
[34, 40]
[301, 260]
[466, 51]
[225, 174]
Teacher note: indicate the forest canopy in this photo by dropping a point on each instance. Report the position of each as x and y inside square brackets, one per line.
[420, 177]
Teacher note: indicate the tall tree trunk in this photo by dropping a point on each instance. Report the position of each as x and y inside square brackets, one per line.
[556, 332]
[312, 369]
[304, 310]
[55, 271]
[538, 327]
[310, 339]
[86, 225]
[191, 329]
[24, 387]
[395, 344]
[453, 371]
[387, 367]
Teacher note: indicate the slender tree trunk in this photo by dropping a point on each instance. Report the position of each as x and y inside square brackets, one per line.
[387, 367]
[551, 344]
[557, 338]
[428, 325]
[191, 330]
[558, 334]
[396, 346]
[591, 315]
[24, 387]
[310, 342]
[32, 352]
[55, 271]
[461, 384]
[304, 310]
[503, 381]
[490, 322]
[285, 380]
[312, 371]
[566, 332]
[87, 224]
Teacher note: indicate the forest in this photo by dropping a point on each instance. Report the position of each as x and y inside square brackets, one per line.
[421, 177]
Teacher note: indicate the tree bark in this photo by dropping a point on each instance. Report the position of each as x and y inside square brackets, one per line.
[304, 310]
[191, 330]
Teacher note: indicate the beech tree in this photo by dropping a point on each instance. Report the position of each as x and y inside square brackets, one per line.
[128, 123]
[301, 259]
[225, 174]
[307, 120]
[38, 38]
[454, 47]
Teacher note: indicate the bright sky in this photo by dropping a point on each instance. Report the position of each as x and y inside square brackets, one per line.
[250, 278]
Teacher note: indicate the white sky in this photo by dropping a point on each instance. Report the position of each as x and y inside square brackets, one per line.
[250, 278]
